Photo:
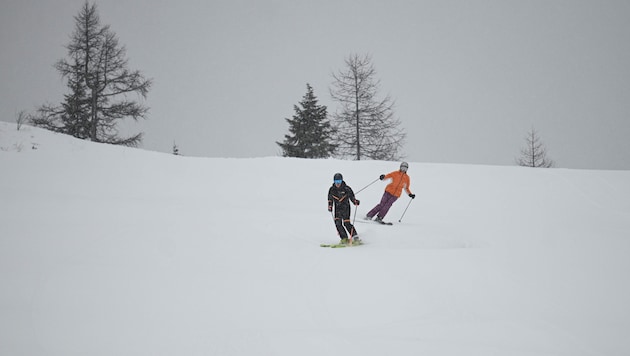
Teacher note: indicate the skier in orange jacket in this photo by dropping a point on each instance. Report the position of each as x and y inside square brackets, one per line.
[400, 180]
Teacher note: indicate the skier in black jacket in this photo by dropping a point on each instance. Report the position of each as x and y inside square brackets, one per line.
[340, 195]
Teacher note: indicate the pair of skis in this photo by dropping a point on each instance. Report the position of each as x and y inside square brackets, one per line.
[356, 243]
[341, 245]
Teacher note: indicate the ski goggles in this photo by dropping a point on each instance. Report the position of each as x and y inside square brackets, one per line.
[337, 181]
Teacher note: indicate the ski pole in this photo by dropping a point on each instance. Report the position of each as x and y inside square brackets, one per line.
[367, 186]
[403, 214]
[354, 218]
[332, 215]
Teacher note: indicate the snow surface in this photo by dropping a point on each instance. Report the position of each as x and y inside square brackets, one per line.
[107, 250]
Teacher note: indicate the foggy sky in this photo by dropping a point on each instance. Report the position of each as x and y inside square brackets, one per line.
[469, 78]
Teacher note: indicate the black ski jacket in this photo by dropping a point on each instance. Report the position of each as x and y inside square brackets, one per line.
[341, 198]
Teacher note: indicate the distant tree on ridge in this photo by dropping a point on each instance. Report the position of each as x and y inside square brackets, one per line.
[100, 85]
[534, 154]
[365, 125]
[310, 130]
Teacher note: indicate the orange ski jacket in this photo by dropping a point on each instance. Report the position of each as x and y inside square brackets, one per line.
[399, 181]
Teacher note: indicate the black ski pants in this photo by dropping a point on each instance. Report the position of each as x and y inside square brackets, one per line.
[342, 221]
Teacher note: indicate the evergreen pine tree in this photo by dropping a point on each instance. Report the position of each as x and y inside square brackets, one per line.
[311, 132]
[76, 107]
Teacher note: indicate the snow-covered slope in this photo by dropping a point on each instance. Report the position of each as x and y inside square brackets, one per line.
[107, 250]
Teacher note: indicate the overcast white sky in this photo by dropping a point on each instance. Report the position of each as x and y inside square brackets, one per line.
[470, 78]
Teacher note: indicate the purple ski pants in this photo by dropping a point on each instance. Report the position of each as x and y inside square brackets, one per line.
[382, 208]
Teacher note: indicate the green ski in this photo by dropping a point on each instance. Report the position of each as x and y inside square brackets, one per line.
[341, 245]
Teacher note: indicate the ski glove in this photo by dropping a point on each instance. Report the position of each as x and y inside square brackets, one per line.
[381, 177]
[329, 207]
[412, 196]
[356, 202]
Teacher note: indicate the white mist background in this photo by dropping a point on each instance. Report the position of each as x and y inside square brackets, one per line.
[469, 78]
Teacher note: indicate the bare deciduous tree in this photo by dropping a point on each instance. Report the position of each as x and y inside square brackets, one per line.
[100, 83]
[534, 154]
[22, 118]
[365, 126]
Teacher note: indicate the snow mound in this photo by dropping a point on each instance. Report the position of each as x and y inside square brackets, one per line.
[109, 250]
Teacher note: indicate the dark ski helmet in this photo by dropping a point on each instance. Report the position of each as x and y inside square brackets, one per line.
[337, 177]
[404, 166]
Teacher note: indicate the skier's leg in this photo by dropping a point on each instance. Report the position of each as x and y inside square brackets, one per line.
[386, 204]
[378, 206]
[340, 229]
[350, 228]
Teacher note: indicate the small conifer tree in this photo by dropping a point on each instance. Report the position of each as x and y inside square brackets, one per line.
[311, 132]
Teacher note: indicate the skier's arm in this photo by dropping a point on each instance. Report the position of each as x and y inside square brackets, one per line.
[330, 199]
[354, 200]
[389, 175]
[408, 181]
